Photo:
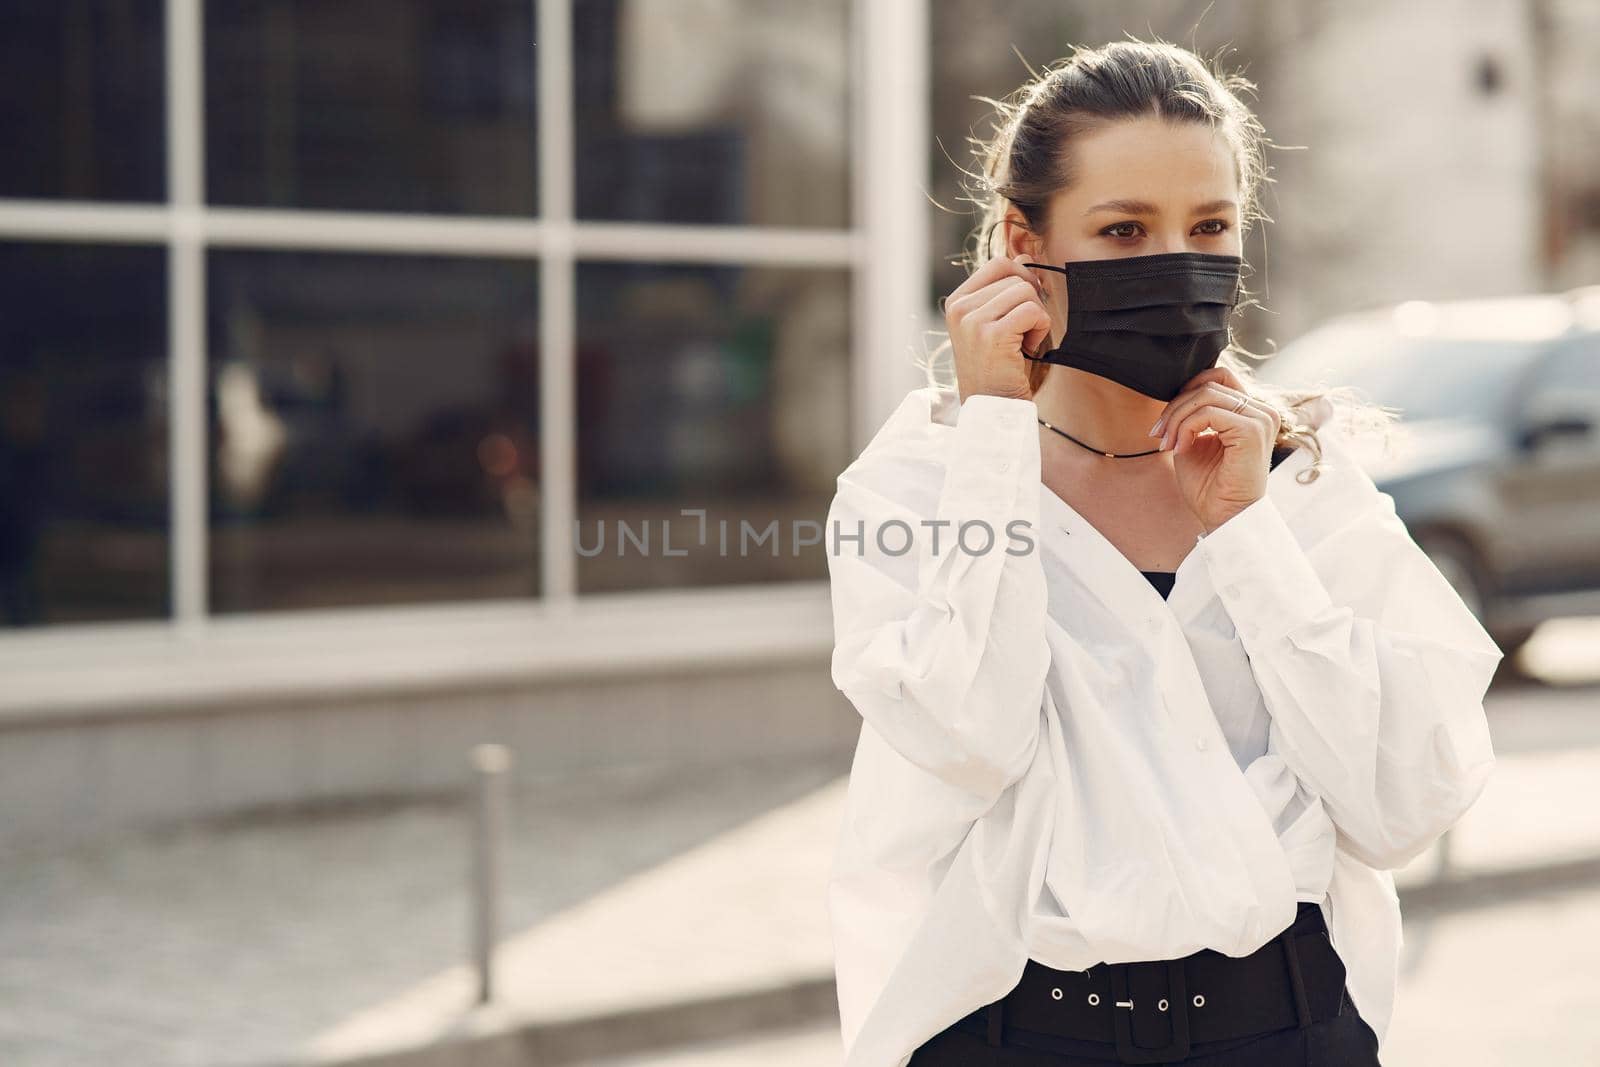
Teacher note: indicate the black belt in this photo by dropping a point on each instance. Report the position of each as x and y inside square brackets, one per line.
[1153, 1012]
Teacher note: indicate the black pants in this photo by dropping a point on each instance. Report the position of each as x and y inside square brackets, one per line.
[1344, 1040]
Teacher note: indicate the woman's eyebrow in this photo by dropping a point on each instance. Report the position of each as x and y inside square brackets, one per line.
[1144, 207]
[1126, 207]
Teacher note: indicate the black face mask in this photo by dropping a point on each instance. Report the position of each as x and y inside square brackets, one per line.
[1147, 322]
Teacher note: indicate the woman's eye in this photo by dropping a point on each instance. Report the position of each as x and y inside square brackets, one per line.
[1123, 230]
[1212, 227]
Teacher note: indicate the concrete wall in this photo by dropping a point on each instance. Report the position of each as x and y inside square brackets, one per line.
[1416, 174]
[72, 779]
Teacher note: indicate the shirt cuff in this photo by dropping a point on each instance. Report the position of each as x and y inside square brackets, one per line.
[993, 458]
[1261, 574]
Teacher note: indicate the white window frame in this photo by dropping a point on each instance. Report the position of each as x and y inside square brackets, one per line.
[890, 134]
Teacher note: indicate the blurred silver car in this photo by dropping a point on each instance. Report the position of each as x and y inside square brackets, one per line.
[1495, 468]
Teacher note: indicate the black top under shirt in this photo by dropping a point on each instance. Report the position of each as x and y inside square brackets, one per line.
[1163, 580]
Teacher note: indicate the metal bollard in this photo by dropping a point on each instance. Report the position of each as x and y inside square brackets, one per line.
[1442, 868]
[490, 764]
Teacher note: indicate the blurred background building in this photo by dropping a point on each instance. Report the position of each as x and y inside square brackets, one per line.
[333, 332]
[336, 334]
[1428, 151]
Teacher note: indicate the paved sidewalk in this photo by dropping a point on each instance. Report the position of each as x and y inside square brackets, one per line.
[280, 941]
[1511, 985]
[656, 911]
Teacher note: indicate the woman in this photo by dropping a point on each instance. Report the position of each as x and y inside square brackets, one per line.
[1156, 688]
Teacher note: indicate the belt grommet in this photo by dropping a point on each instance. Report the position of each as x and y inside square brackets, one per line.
[1163, 1005]
[1056, 994]
[1199, 1000]
[1094, 998]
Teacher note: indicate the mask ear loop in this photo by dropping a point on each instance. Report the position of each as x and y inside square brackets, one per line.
[1041, 266]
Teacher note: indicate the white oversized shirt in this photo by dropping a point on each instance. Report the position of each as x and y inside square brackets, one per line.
[1056, 762]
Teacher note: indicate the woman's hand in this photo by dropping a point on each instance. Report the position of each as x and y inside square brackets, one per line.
[994, 316]
[1223, 473]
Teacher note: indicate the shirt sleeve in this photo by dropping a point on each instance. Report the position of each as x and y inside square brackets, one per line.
[1372, 668]
[939, 599]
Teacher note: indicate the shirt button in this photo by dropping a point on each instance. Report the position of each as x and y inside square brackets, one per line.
[1005, 466]
[1230, 589]
[1200, 743]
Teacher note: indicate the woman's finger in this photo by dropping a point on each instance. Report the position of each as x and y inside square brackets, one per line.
[1211, 393]
[1230, 425]
[970, 293]
[1220, 376]
[1030, 322]
[1005, 295]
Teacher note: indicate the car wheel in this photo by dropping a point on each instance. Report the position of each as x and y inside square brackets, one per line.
[1512, 640]
[1461, 568]
[1459, 565]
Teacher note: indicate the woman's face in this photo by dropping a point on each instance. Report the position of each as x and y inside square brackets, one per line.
[1141, 187]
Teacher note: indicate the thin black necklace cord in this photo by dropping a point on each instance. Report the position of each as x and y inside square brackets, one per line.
[1096, 451]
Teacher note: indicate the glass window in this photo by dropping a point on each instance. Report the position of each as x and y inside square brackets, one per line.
[1572, 370]
[381, 105]
[1568, 382]
[374, 429]
[83, 433]
[705, 111]
[82, 100]
[717, 388]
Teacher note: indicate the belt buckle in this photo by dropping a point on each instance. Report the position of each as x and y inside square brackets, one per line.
[1177, 1009]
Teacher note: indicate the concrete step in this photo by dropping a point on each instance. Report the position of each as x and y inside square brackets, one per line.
[728, 938]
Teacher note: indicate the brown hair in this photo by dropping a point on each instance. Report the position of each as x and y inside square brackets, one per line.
[1029, 159]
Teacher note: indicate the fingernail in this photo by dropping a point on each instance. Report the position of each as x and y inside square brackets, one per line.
[1157, 427]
